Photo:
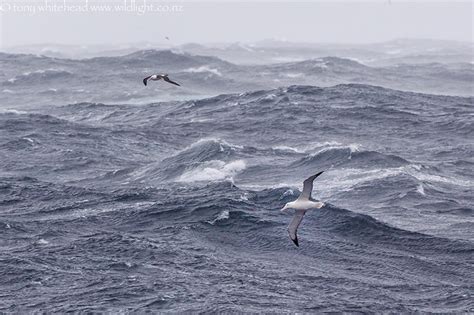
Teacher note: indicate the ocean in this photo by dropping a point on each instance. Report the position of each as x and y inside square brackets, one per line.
[116, 197]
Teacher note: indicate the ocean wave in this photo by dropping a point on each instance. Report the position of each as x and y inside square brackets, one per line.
[224, 215]
[205, 69]
[207, 159]
[203, 150]
[329, 222]
[309, 148]
[435, 178]
[171, 188]
[13, 111]
[363, 227]
[39, 76]
[20, 120]
[349, 156]
[213, 171]
[223, 145]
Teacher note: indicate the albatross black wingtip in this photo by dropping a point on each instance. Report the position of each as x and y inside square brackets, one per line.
[296, 242]
[144, 81]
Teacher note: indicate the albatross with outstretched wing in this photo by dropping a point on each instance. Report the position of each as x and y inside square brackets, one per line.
[156, 77]
[301, 205]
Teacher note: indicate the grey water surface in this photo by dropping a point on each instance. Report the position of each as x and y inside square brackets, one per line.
[119, 197]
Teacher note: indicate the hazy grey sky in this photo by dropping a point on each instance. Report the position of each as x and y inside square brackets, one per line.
[228, 21]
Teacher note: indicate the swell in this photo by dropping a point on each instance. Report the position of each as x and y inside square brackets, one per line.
[349, 156]
[207, 209]
[39, 77]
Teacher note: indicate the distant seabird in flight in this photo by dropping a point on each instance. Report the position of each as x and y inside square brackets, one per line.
[301, 205]
[156, 77]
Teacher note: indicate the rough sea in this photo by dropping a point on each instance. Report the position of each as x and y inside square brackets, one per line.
[116, 197]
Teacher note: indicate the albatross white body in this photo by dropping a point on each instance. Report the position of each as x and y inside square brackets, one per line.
[301, 205]
[304, 204]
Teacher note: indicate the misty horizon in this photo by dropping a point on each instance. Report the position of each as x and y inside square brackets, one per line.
[229, 22]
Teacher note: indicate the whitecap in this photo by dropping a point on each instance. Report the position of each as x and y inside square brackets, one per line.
[200, 120]
[219, 141]
[244, 197]
[327, 146]
[270, 97]
[204, 68]
[223, 215]
[420, 190]
[214, 170]
[287, 148]
[13, 111]
[424, 177]
[294, 75]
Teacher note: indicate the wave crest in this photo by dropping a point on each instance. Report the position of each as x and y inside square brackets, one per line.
[213, 171]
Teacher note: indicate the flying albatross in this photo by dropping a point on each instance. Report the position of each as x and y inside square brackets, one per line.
[156, 77]
[301, 205]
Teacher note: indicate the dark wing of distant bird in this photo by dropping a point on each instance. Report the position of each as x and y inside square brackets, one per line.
[169, 81]
[308, 186]
[146, 80]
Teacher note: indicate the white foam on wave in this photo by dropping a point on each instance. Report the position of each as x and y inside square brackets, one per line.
[340, 180]
[270, 97]
[287, 59]
[287, 148]
[214, 170]
[294, 75]
[200, 120]
[13, 111]
[353, 147]
[346, 179]
[223, 215]
[219, 141]
[204, 68]
[420, 190]
[320, 63]
[337, 181]
[41, 71]
[54, 70]
[316, 148]
[244, 197]
[334, 181]
[424, 177]
[313, 146]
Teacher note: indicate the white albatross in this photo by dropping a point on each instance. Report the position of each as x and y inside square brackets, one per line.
[156, 77]
[301, 205]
